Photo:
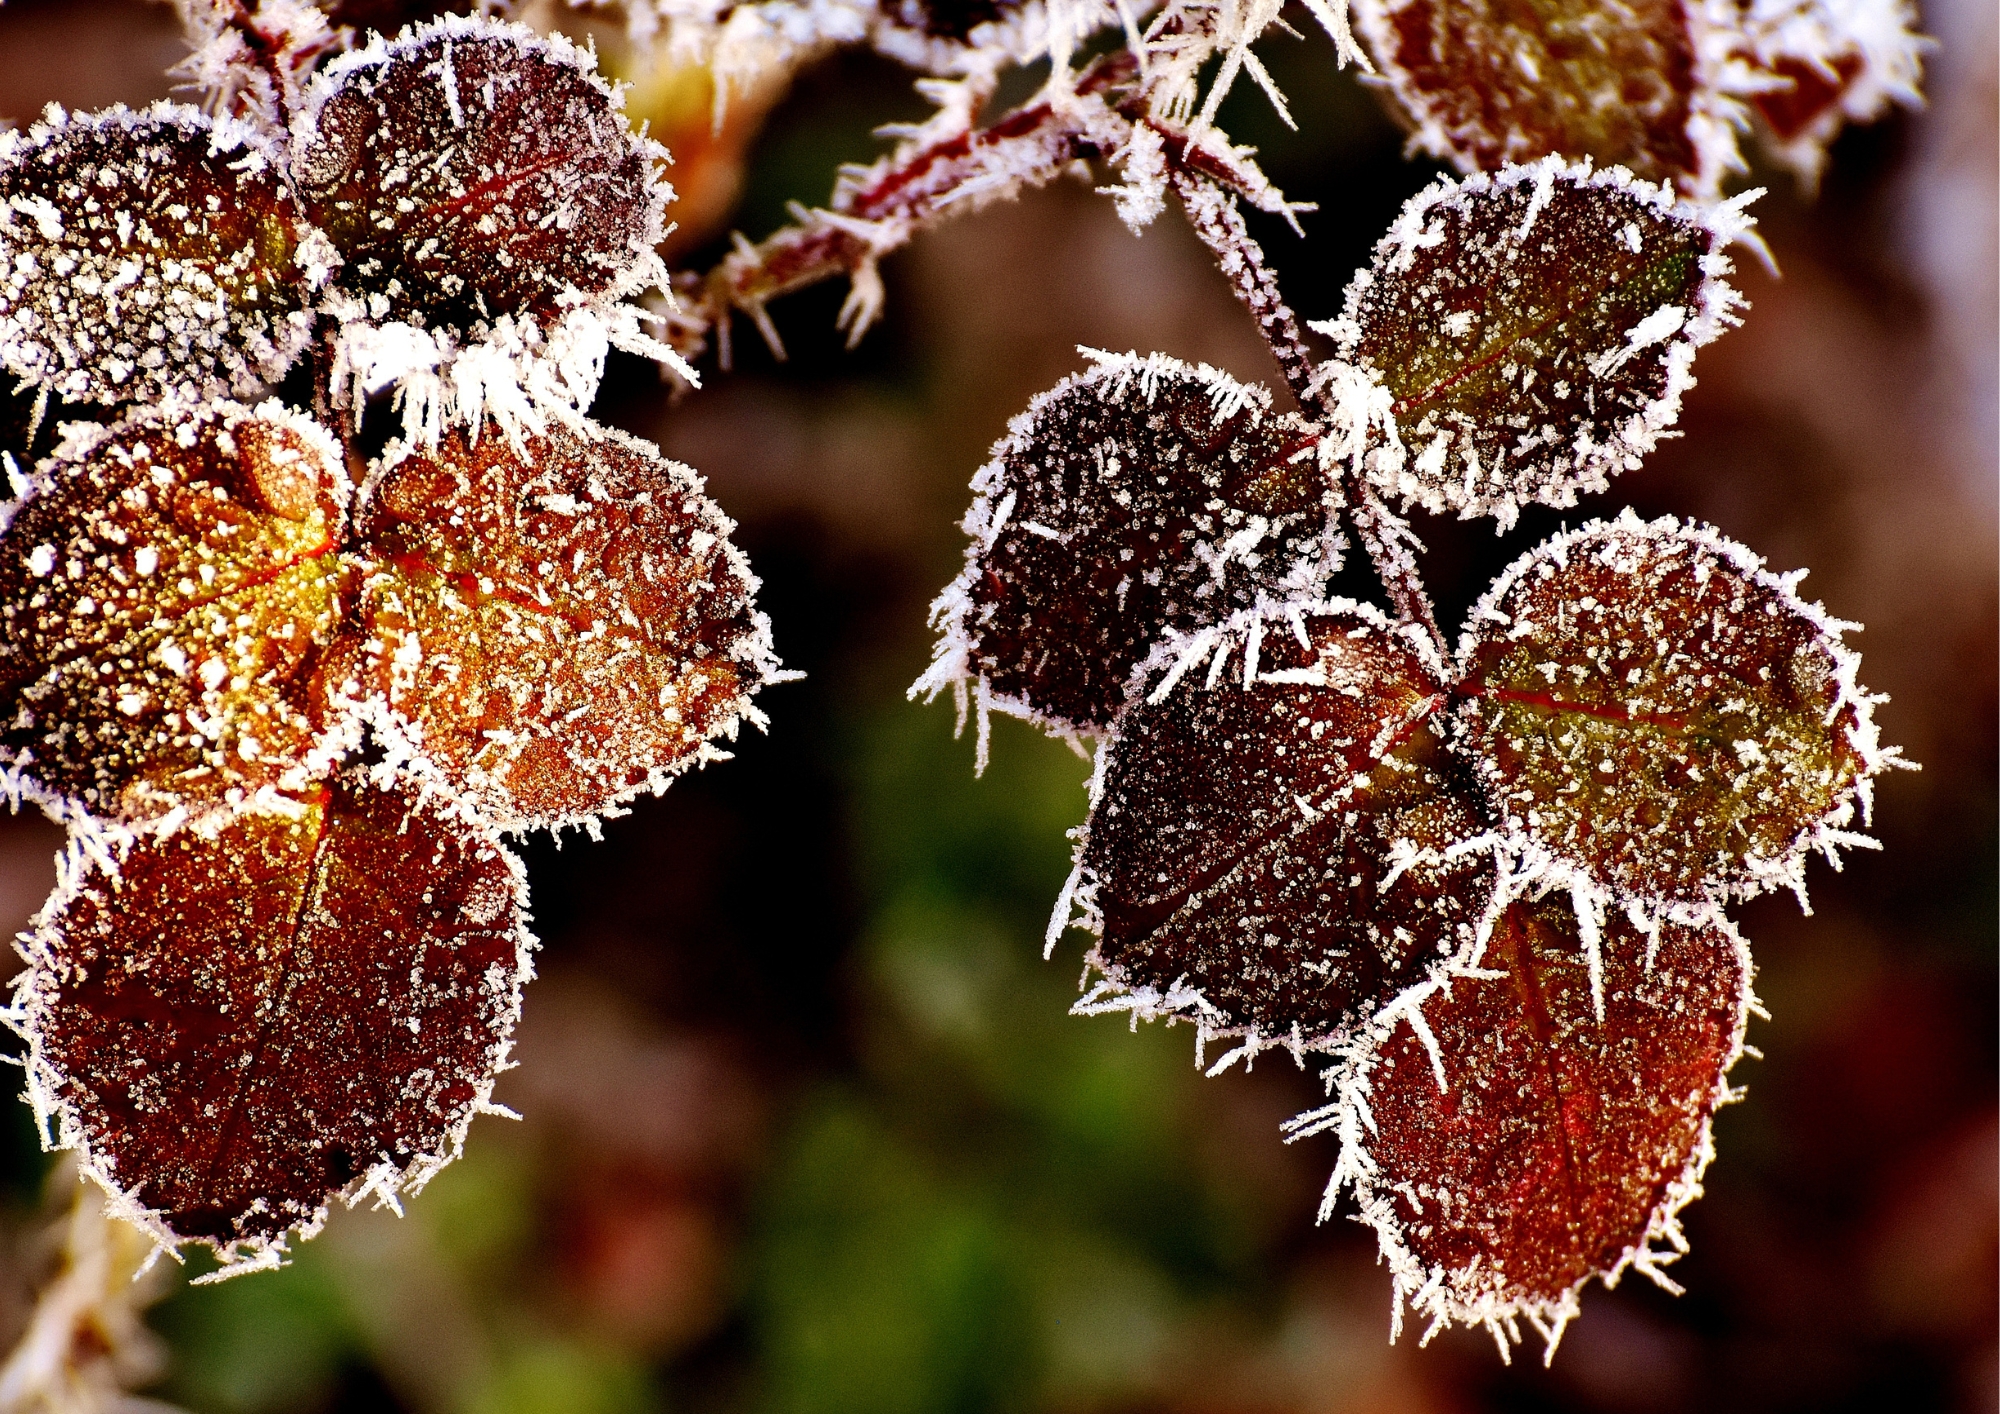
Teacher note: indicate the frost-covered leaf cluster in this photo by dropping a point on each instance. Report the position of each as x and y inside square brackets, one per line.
[1487, 888]
[289, 699]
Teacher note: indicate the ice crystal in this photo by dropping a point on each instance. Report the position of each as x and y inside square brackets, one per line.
[146, 256]
[167, 587]
[550, 632]
[238, 1020]
[1138, 497]
[1664, 717]
[1533, 332]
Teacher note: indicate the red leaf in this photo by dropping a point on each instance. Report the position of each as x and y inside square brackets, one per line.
[1274, 861]
[471, 169]
[1136, 499]
[1531, 333]
[167, 587]
[1661, 717]
[243, 1018]
[146, 256]
[557, 632]
[1536, 1146]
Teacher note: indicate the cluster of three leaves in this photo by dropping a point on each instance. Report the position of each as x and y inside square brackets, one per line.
[1491, 889]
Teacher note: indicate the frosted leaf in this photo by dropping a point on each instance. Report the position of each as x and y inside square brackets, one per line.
[1139, 497]
[471, 169]
[1486, 84]
[167, 587]
[1519, 1145]
[1809, 66]
[241, 1019]
[1276, 848]
[1660, 716]
[145, 256]
[1534, 331]
[553, 633]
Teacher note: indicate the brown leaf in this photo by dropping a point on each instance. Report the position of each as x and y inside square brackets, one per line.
[1532, 333]
[1520, 1145]
[1663, 718]
[167, 587]
[1139, 498]
[1276, 860]
[553, 632]
[471, 169]
[1486, 83]
[245, 1017]
[146, 255]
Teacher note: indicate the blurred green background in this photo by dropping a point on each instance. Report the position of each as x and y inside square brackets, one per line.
[807, 1129]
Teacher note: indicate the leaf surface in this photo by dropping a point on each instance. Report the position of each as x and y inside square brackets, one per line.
[1489, 82]
[471, 169]
[1289, 852]
[553, 632]
[1139, 498]
[146, 255]
[240, 1021]
[166, 589]
[1557, 1147]
[1662, 716]
[1534, 332]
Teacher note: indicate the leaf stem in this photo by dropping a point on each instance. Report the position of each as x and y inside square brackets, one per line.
[1218, 221]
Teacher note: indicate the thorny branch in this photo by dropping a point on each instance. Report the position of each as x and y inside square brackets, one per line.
[1215, 217]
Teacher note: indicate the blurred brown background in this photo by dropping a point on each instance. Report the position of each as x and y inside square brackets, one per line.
[806, 1126]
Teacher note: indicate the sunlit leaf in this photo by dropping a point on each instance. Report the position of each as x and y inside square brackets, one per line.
[241, 1019]
[144, 255]
[1661, 716]
[1533, 332]
[1519, 1145]
[472, 169]
[554, 632]
[1488, 83]
[167, 587]
[1140, 497]
[1278, 839]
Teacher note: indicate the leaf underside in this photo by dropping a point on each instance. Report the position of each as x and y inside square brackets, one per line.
[145, 255]
[240, 1025]
[470, 170]
[556, 630]
[1660, 714]
[1124, 505]
[167, 590]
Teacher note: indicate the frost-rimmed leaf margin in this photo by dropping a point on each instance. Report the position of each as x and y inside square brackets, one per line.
[227, 354]
[401, 739]
[518, 369]
[1368, 411]
[1431, 1292]
[953, 657]
[94, 849]
[1825, 835]
[334, 739]
[1171, 664]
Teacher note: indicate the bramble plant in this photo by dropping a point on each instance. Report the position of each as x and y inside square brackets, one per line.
[290, 698]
